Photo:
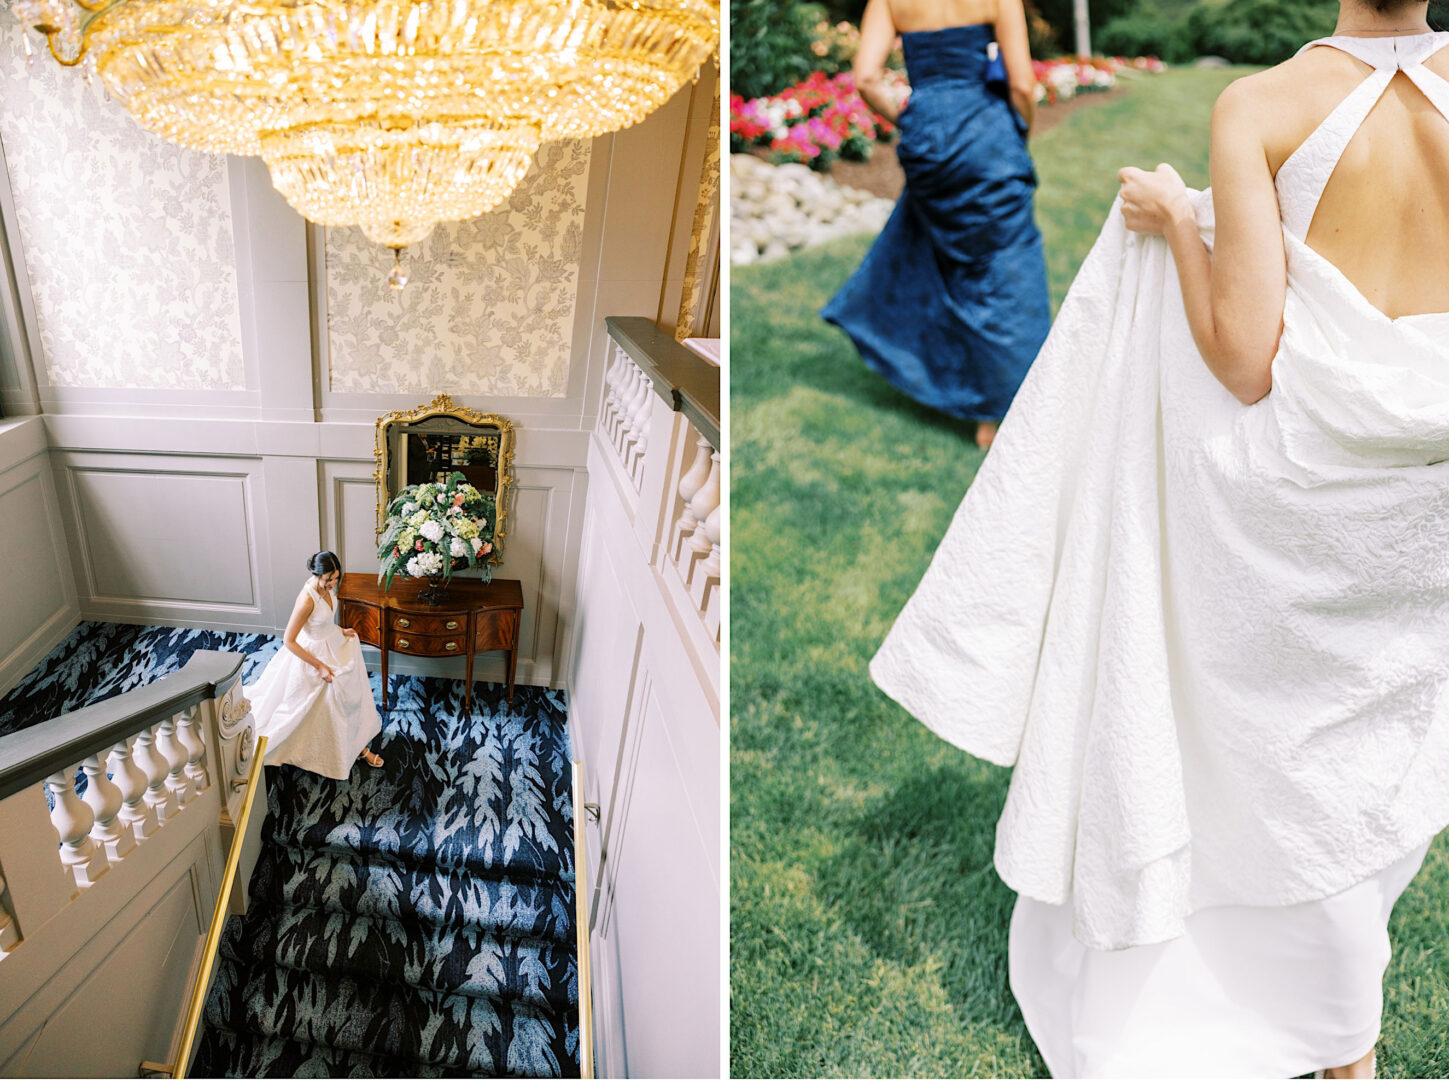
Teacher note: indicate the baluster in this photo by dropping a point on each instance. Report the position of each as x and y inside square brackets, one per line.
[137, 814]
[712, 530]
[705, 500]
[158, 796]
[72, 820]
[176, 780]
[191, 739]
[612, 376]
[626, 409]
[9, 935]
[638, 406]
[689, 485]
[104, 799]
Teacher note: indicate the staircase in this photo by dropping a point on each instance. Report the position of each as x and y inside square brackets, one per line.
[413, 920]
[417, 919]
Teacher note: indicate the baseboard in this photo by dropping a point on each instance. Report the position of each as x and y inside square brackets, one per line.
[34, 648]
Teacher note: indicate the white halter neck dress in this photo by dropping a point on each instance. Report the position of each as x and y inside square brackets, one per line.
[1211, 639]
[315, 725]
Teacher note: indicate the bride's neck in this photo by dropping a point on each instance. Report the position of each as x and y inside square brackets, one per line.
[1355, 19]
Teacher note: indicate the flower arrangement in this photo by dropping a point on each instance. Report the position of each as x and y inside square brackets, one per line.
[434, 529]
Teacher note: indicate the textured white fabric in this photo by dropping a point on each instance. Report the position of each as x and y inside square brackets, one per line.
[1211, 637]
[316, 725]
[1246, 991]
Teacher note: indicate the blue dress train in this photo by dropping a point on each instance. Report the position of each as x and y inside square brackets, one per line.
[950, 304]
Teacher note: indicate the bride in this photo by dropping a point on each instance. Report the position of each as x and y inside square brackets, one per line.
[1198, 594]
[313, 700]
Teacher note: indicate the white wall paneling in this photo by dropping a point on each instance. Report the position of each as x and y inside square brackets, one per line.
[168, 539]
[644, 716]
[39, 593]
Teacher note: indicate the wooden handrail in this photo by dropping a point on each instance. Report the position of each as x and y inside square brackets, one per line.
[218, 920]
[680, 376]
[581, 919]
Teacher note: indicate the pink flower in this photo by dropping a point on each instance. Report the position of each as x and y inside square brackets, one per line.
[420, 545]
[485, 549]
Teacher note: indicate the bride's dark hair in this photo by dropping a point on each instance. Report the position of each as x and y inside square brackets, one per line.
[323, 563]
[1382, 6]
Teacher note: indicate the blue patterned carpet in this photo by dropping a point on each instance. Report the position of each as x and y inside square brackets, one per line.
[413, 920]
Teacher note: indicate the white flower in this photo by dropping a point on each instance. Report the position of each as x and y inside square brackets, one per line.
[476, 544]
[459, 548]
[425, 563]
[431, 530]
[409, 508]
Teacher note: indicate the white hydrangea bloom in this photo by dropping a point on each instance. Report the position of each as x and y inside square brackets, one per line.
[412, 567]
[429, 562]
[459, 548]
[431, 530]
[409, 508]
[476, 544]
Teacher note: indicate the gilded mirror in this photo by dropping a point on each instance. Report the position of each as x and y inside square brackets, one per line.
[425, 444]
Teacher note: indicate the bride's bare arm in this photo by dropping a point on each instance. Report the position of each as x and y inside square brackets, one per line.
[877, 38]
[301, 612]
[1233, 297]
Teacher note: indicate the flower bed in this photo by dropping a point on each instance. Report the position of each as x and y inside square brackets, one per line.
[823, 118]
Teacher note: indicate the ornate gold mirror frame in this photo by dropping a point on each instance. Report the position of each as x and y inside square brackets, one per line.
[701, 267]
[471, 424]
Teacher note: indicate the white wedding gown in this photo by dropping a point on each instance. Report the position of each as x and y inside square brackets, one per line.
[1210, 637]
[315, 725]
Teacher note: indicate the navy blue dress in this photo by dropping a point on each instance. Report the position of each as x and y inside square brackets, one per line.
[951, 302]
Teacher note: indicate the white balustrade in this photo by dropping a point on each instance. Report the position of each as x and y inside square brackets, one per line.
[625, 415]
[105, 800]
[136, 813]
[157, 768]
[9, 936]
[189, 733]
[170, 746]
[73, 820]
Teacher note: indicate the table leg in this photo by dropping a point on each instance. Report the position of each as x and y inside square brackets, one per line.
[468, 686]
[512, 664]
[384, 671]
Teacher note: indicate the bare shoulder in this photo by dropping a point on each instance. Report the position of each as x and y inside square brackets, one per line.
[1281, 105]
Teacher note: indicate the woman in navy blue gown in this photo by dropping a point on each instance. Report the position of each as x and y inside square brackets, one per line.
[951, 304]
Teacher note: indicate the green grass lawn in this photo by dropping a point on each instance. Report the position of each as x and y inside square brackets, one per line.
[868, 928]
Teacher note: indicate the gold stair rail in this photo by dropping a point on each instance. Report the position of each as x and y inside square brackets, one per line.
[213, 935]
[581, 919]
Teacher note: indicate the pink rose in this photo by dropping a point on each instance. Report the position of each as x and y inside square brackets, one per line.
[420, 545]
[485, 549]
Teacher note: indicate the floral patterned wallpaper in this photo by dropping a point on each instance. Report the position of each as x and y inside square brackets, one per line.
[127, 239]
[489, 305]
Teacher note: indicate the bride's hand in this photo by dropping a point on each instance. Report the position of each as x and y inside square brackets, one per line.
[325, 672]
[1152, 201]
[349, 633]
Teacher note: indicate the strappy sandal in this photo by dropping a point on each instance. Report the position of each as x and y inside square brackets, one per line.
[375, 760]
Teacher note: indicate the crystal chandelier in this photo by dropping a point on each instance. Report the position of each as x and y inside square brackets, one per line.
[388, 114]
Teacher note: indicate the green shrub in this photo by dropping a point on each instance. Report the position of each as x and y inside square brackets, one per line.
[769, 45]
[1258, 31]
[1147, 30]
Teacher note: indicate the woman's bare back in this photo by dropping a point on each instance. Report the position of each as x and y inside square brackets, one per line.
[913, 15]
[1383, 219]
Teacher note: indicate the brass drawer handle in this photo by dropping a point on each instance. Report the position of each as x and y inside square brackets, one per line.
[452, 625]
[452, 646]
[404, 623]
[402, 643]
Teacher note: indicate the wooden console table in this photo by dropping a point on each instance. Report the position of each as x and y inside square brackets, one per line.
[474, 617]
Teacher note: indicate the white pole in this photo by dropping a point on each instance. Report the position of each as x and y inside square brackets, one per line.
[1084, 32]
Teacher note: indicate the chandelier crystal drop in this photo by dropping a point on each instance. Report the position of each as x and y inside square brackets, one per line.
[388, 114]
